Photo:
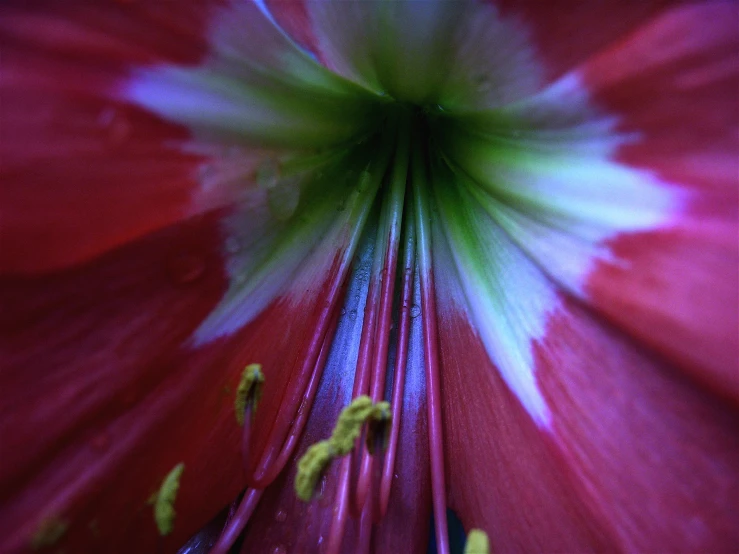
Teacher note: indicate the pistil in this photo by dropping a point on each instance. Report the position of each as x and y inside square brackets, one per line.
[420, 183]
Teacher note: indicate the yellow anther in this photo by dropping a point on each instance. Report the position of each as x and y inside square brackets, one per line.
[164, 502]
[249, 390]
[47, 534]
[345, 434]
[310, 467]
[351, 419]
[477, 542]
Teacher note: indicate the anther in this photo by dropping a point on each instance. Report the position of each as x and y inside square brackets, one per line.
[477, 542]
[249, 391]
[342, 440]
[164, 500]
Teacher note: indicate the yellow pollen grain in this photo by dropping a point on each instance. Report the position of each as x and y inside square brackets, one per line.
[49, 531]
[347, 430]
[164, 512]
[477, 542]
[310, 467]
[249, 389]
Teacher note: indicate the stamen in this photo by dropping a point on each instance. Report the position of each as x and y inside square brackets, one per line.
[431, 351]
[347, 430]
[401, 361]
[247, 398]
[265, 475]
[296, 390]
[389, 234]
[48, 533]
[477, 542]
[236, 524]
[249, 391]
[338, 522]
[365, 531]
[164, 513]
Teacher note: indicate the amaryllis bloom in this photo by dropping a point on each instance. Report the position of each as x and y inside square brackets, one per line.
[507, 229]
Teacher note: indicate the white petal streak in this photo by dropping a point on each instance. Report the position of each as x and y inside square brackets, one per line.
[506, 298]
[556, 186]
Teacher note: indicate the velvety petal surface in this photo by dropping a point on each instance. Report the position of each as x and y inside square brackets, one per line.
[677, 288]
[97, 170]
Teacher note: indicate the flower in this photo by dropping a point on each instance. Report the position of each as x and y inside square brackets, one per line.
[514, 221]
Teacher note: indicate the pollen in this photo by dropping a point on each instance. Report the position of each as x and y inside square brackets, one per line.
[477, 542]
[164, 512]
[347, 430]
[248, 391]
[48, 533]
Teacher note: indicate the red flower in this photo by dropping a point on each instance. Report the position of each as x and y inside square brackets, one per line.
[523, 216]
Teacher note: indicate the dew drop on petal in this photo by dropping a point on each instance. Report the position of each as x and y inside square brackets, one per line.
[232, 245]
[206, 172]
[268, 174]
[415, 310]
[185, 268]
[101, 441]
[281, 516]
[283, 200]
[115, 125]
[279, 549]
[353, 315]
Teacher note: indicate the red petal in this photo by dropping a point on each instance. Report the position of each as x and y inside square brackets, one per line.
[103, 393]
[678, 289]
[96, 172]
[292, 16]
[504, 475]
[636, 457]
[655, 458]
[567, 33]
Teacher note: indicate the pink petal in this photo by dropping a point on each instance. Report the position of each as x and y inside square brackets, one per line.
[635, 457]
[565, 34]
[69, 148]
[677, 289]
[104, 393]
[504, 473]
[654, 457]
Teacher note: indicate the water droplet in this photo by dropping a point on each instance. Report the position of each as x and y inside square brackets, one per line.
[234, 153]
[186, 268]
[353, 315]
[206, 172]
[415, 310]
[279, 549]
[283, 200]
[233, 245]
[281, 516]
[268, 174]
[364, 181]
[343, 311]
[101, 441]
[483, 82]
[116, 126]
